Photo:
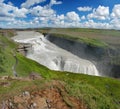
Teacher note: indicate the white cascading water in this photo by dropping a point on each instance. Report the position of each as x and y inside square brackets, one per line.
[52, 56]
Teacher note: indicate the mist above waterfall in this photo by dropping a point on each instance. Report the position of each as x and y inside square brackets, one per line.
[52, 56]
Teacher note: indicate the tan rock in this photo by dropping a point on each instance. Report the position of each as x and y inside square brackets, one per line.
[18, 99]
[40, 102]
[20, 106]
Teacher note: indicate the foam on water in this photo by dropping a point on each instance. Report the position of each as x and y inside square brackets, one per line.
[52, 56]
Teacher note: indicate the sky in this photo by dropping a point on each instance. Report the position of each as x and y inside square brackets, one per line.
[103, 14]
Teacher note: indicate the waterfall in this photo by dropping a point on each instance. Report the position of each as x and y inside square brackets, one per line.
[52, 56]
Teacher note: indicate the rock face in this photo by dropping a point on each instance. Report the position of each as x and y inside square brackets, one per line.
[23, 48]
[52, 56]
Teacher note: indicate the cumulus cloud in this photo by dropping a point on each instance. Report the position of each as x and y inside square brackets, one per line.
[42, 11]
[1, 1]
[83, 17]
[58, 20]
[93, 24]
[55, 2]
[10, 3]
[86, 8]
[4, 19]
[115, 23]
[101, 13]
[116, 11]
[30, 3]
[11, 11]
[20, 12]
[46, 16]
[72, 16]
[5, 10]
[61, 17]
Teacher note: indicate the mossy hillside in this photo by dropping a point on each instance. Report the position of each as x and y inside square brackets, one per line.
[7, 46]
[96, 92]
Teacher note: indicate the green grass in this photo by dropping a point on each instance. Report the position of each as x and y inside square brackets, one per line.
[100, 36]
[89, 41]
[90, 31]
[95, 92]
[7, 46]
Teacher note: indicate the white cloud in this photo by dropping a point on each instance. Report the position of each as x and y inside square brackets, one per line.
[12, 11]
[115, 23]
[30, 3]
[71, 19]
[1, 1]
[42, 11]
[4, 19]
[116, 11]
[86, 8]
[45, 16]
[61, 17]
[10, 3]
[93, 24]
[101, 13]
[55, 2]
[83, 17]
[72, 16]
[58, 20]
[5, 10]
[20, 12]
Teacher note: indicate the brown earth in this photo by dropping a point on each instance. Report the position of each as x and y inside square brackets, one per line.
[52, 96]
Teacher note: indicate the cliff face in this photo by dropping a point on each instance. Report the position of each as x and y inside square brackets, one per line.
[101, 57]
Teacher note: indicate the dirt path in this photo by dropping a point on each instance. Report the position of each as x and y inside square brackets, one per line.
[14, 66]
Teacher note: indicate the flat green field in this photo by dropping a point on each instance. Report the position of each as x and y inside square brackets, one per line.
[105, 36]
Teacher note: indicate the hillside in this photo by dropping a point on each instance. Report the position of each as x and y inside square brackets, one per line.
[73, 91]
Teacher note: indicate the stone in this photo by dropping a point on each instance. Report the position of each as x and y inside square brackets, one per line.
[20, 106]
[18, 99]
[40, 102]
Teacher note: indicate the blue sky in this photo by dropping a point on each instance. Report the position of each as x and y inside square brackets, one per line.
[60, 13]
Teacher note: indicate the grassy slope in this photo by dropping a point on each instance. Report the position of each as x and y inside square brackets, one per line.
[6, 53]
[96, 92]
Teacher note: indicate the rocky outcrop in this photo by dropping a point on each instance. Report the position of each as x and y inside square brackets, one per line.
[23, 48]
